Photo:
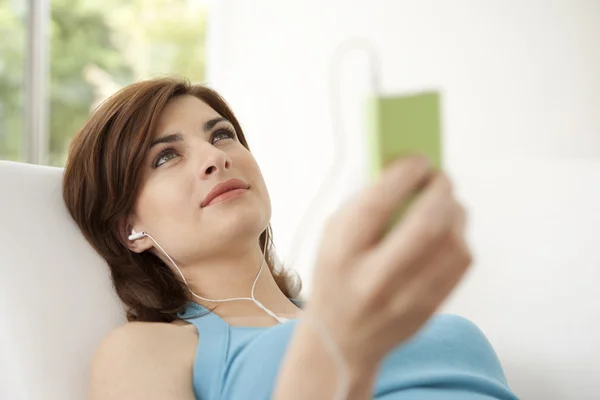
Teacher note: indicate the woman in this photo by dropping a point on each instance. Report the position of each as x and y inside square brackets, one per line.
[162, 183]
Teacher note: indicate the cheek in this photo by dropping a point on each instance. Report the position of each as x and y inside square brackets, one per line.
[247, 168]
[250, 166]
[257, 178]
[161, 198]
[263, 192]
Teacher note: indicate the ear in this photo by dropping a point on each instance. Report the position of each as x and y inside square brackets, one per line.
[137, 246]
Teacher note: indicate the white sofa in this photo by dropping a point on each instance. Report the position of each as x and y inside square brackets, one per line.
[535, 227]
[56, 299]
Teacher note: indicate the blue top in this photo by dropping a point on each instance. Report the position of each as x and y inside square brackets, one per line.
[448, 359]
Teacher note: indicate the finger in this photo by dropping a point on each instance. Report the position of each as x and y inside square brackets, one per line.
[460, 224]
[383, 283]
[422, 230]
[440, 285]
[412, 245]
[431, 286]
[459, 230]
[360, 223]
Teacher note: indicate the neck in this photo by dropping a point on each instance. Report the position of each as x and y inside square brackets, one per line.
[232, 275]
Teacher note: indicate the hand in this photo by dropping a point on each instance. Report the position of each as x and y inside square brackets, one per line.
[373, 287]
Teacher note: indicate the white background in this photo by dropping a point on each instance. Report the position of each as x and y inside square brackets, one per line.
[521, 108]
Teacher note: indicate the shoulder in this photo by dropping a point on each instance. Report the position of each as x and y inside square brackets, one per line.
[141, 352]
[449, 351]
[134, 336]
[452, 325]
[139, 340]
[462, 341]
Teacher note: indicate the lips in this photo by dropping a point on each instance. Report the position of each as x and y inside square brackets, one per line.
[224, 187]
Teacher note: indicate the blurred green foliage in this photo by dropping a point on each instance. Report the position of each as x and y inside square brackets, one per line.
[96, 47]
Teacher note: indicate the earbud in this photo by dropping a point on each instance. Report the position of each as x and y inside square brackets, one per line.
[136, 235]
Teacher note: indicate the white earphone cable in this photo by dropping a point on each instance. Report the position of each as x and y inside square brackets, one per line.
[251, 298]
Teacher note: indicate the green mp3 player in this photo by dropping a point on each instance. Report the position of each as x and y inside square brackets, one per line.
[404, 125]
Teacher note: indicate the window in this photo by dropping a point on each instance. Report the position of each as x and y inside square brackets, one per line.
[95, 48]
[12, 63]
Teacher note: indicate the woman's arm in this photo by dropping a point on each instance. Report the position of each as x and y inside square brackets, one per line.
[309, 371]
[374, 285]
[134, 362]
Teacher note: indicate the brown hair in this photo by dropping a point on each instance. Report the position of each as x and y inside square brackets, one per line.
[100, 186]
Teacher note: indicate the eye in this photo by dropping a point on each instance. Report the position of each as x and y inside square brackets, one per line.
[164, 156]
[221, 134]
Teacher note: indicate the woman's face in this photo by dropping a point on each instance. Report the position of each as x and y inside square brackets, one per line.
[194, 150]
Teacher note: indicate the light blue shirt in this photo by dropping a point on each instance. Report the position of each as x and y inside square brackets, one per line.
[448, 359]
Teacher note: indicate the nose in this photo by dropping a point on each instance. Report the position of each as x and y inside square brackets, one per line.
[215, 162]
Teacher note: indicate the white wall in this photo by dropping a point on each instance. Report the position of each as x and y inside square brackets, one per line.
[521, 90]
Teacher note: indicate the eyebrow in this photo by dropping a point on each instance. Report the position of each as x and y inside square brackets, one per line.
[212, 122]
[176, 137]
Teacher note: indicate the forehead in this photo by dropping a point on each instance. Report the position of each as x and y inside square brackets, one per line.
[186, 110]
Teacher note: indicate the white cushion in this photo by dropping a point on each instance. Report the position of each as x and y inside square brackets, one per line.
[56, 298]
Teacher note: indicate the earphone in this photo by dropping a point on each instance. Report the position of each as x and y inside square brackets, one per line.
[138, 235]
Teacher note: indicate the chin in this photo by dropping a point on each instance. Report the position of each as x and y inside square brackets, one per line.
[241, 223]
[239, 218]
